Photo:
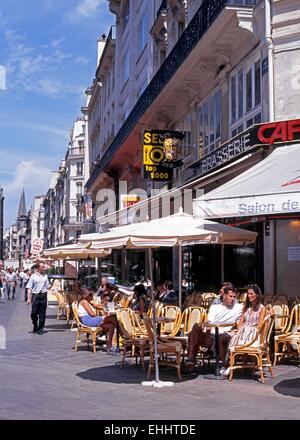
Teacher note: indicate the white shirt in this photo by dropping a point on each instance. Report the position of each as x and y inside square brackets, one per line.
[11, 277]
[81, 311]
[219, 313]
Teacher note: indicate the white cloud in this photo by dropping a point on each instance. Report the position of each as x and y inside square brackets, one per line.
[28, 174]
[34, 68]
[87, 9]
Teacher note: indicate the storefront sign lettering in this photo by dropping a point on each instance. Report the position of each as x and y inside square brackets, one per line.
[278, 131]
[243, 143]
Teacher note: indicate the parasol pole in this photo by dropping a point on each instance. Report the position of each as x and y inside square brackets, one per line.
[222, 258]
[156, 383]
[180, 275]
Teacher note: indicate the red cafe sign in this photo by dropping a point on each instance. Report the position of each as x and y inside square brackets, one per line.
[278, 131]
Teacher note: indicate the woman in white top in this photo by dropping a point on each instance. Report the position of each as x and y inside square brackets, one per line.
[88, 316]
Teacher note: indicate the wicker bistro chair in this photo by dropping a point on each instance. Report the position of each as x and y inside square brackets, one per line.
[208, 295]
[281, 312]
[134, 338]
[191, 316]
[257, 348]
[174, 313]
[169, 352]
[125, 301]
[88, 331]
[63, 307]
[283, 343]
[158, 307]
[242, 298]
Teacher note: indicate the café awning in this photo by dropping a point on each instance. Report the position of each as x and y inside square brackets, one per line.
[270, 187]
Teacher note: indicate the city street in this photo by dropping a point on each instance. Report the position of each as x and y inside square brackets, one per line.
[43, 378]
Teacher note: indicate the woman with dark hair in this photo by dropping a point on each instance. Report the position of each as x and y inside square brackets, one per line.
[252, 317]
[142, 301]
[88, 316]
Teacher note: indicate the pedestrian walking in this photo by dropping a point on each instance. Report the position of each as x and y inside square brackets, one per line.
[22, 277]
[37, 289]
[27, 275]
[2, 279]
[11, 283]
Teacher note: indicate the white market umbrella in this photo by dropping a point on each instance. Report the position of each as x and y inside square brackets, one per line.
[76, 252]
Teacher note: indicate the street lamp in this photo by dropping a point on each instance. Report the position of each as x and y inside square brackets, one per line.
[1, 223]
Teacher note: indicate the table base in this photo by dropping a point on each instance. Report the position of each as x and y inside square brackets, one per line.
[214, 377]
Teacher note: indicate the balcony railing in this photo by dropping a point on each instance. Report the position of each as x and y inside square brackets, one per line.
[73, 221]
[77, 151]
[200, 23]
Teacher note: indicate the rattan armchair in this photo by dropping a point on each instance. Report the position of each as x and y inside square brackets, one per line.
[169, 352]
[240, 356]
[173, 313]
[86, 330]
[63, 307]
[134, 337]
[283, 343]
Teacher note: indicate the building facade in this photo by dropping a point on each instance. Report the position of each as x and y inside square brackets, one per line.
[210, 70]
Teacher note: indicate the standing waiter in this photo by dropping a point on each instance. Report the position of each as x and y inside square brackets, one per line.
[37, 289]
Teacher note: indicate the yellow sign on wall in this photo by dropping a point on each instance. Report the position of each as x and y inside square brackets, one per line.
[153, 153]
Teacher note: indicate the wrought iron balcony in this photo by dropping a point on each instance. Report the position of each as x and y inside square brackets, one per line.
[77, 151]
[200, 23]
[73, 221]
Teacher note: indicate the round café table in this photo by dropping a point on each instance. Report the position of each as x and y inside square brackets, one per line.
[216, 326]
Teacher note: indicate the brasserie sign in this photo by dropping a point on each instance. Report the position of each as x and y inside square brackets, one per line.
[259, 134]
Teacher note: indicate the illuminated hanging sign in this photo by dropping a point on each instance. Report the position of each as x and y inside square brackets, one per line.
[161, 152]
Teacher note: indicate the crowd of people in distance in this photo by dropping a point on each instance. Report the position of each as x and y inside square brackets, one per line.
[9, 279]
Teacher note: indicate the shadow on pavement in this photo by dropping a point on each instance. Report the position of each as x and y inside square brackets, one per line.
[290, 387]
[131, 374]
[62, 326]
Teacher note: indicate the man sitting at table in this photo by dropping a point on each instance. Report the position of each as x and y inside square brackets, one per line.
[229, 311]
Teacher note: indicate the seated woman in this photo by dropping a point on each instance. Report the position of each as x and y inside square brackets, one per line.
[252, 317]
[88, 317]
[142, 302]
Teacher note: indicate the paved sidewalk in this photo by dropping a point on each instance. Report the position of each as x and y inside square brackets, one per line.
[43, 378]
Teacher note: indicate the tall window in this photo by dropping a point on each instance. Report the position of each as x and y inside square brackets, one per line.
[209, 123]
[143, 33]
[126, 67]
[185, 126]
[79, 189]
[245, 99]
[79, 169]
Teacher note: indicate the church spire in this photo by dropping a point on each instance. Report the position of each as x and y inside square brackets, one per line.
[22, 205]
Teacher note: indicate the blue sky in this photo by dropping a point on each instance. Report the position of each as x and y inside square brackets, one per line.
[49, 51]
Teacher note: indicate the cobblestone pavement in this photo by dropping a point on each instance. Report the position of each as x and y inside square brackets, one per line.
[43, 378]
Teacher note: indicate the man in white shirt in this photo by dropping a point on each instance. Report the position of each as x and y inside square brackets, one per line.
[37, 289]
[229, 311]
[11, 283]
